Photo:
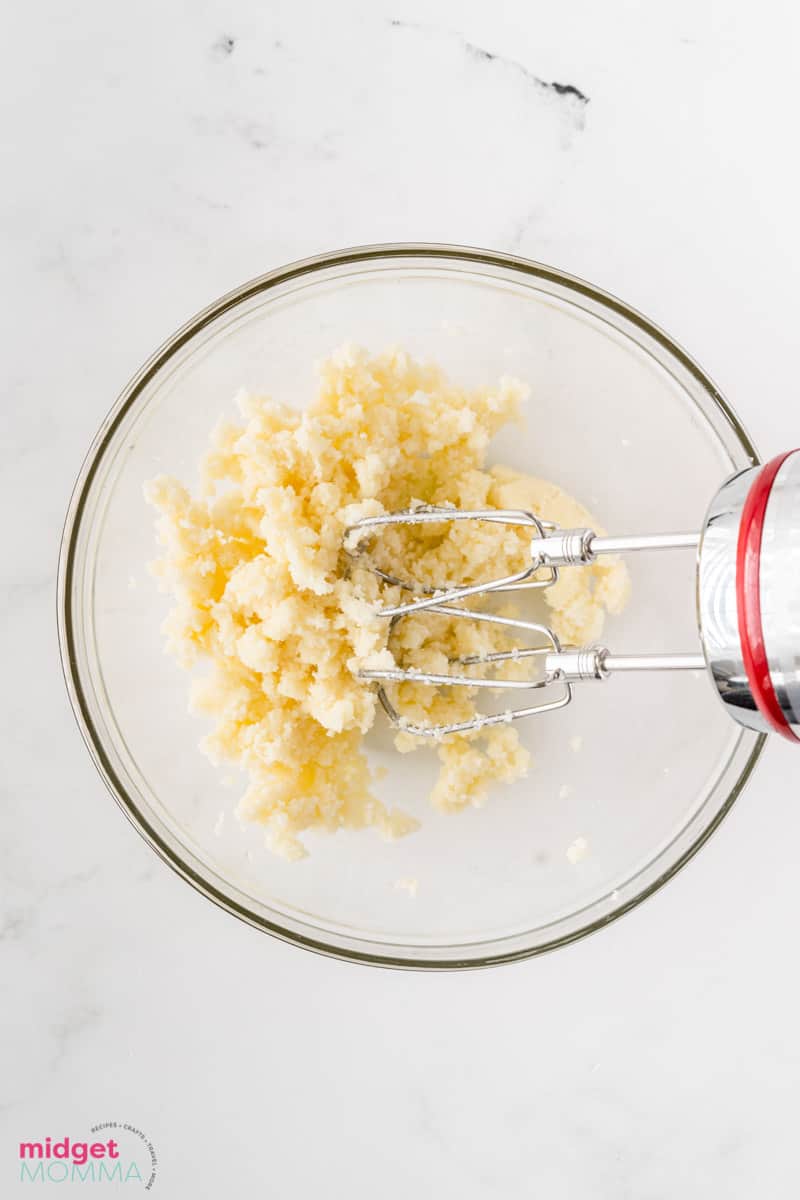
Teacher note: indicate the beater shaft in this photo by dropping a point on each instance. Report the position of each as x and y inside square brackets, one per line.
[578, 547]
[573, 664]
[654, 662]
[596, 662]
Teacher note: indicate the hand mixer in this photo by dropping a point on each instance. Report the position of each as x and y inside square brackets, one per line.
[748, 604]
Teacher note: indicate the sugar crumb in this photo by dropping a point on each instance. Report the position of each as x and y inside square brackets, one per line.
[407, 885]
[577, 850]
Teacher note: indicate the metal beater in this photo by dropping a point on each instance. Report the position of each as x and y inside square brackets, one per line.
[748, 604]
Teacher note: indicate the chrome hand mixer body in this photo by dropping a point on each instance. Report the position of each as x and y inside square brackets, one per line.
[748, 604]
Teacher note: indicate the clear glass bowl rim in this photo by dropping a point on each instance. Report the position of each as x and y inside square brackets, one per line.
[438, 254]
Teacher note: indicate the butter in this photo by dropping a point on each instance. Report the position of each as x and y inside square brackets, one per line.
[253, 561]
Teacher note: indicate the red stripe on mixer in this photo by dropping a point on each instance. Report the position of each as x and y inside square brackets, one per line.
[748, 598]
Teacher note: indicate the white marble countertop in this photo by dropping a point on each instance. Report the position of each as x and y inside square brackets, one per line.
[159, 155]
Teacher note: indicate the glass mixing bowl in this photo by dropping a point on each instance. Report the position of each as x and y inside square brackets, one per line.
[642, 768]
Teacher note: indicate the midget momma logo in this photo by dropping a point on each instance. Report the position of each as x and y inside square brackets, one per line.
[113, 1153]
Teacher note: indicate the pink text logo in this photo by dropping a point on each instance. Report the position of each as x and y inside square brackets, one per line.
[71, 1160]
